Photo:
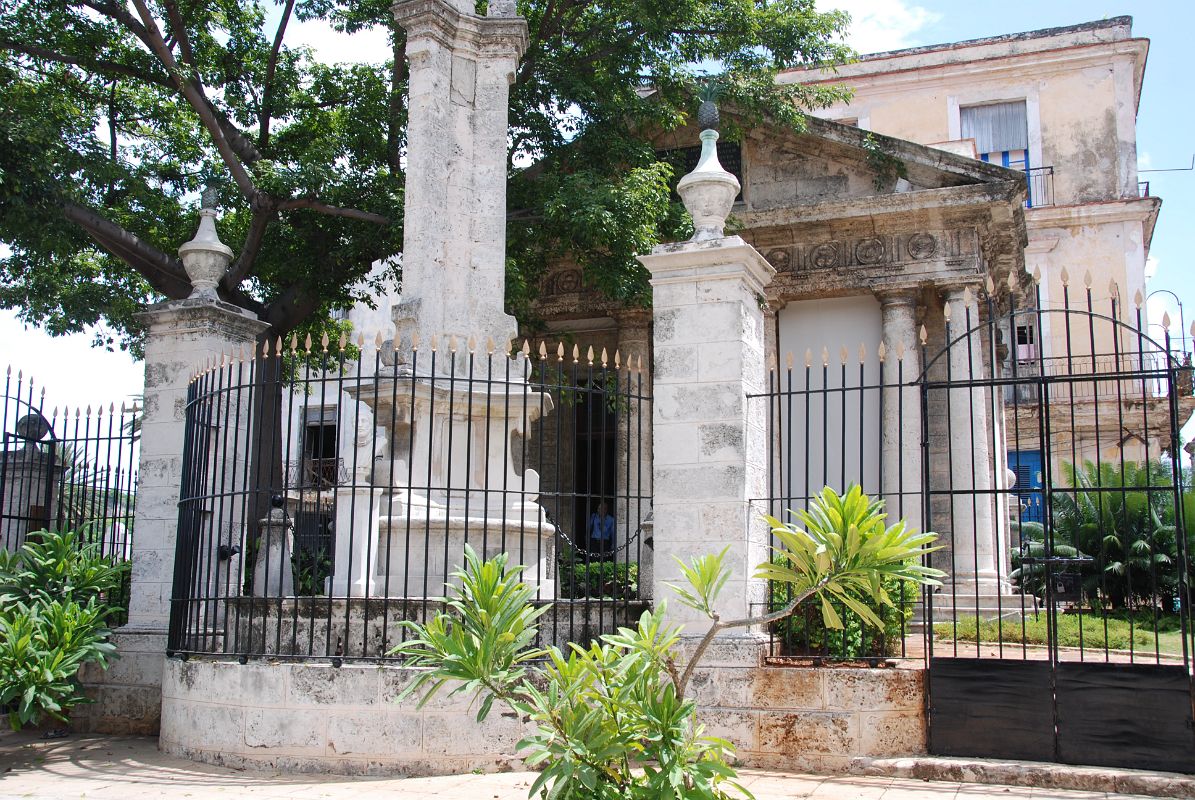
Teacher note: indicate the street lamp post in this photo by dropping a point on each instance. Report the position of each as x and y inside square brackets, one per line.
[1182, 336]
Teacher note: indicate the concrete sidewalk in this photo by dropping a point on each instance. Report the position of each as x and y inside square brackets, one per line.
[128, 768]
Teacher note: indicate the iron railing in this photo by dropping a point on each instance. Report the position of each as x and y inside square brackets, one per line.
[1041, 187]
[826, 427]
[324, 559]
[66, 468]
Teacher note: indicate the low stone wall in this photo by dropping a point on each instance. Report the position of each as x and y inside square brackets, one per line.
[816, 719]
[313, 717]
[126, 697]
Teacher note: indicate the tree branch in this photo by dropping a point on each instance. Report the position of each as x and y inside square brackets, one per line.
[198, 102]
[288, 309]
[241, 268]
[179, 33]
[109, 69]
[267, 92]
[164, 273]
[332, 211]
[718, 626]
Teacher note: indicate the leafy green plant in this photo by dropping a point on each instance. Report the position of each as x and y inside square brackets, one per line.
[598, 579]
[886, 167]
[311, 569]
[805, 632]
[611, 719]
[55, 607]
[1122, 515]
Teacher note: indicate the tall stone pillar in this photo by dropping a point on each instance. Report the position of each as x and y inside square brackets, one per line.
[710, 448]
[180, 336]
[901, 479]
[974, 535]
[454, 246]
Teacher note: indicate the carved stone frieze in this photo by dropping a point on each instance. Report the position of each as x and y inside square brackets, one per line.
[861, 260]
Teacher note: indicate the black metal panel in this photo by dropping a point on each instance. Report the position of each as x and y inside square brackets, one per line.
[991, 708]
[1125, 715]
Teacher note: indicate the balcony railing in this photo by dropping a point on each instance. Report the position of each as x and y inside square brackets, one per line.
[1143, 189]
[1041, 186]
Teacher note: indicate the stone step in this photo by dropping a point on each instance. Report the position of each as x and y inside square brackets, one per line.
[1038, 775]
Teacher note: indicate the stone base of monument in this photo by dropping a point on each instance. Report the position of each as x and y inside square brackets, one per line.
[421, 543]
[368, 628]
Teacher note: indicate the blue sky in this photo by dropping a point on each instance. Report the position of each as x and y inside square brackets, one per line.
[74, 373]
[1165, 121]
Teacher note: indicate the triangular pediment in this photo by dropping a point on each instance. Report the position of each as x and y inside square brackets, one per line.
[833, 163]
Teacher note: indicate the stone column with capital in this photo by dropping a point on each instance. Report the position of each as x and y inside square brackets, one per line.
[974, 532]
[901, 434]
[181, 335]
[710, 445]
[454, 241]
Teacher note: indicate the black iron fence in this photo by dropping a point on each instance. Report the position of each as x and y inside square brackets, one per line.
[1065, 516]
[66, 468]
[842, 419]
[1041, 186]
[329, 491]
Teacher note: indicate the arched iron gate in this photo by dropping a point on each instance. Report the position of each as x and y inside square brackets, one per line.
[1052, 469]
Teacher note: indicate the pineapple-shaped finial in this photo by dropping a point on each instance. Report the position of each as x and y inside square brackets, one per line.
[707, 113]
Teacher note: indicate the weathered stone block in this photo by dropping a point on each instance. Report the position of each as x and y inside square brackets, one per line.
[780, 687]
[348, 685]
[875, 689]
[284, 728]
[892, 733]
[374, 735]
[817, 732]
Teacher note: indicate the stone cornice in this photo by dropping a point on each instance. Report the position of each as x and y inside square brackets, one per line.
[951, 197]
[441, 21]
[899, 71]
[1132, 210]
[728, 258]
[202, 316]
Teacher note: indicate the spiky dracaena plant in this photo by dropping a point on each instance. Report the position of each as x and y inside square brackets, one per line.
[611, 720]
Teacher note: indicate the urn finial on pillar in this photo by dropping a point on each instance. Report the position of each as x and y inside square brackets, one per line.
[205, 257]
[708, 191]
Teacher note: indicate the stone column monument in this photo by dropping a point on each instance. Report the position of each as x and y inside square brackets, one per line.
[455, 424]
[710, 444]
[454, 246]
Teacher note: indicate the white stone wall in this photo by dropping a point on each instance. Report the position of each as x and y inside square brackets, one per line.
[313, 717]
[813, 719]
[298, 717]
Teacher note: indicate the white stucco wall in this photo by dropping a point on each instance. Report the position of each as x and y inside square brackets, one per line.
[829, 325]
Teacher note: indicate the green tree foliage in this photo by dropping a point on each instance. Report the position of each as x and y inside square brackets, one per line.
[612, 719]
[55, 595]
[116, 114]
[1123, 517]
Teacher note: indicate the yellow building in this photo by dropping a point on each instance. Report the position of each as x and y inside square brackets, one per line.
[1059, 105]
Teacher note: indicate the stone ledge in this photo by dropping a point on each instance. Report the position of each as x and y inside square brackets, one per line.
[1030, 773]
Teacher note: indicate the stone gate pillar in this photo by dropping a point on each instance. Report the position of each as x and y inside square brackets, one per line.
[710, 448]
[181, 336]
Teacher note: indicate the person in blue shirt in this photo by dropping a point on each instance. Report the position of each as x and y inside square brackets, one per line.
[601, 530]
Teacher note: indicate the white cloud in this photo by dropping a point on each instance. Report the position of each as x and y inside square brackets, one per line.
[1144, 160]
[330, 45]
[878, 25]
[73, 373]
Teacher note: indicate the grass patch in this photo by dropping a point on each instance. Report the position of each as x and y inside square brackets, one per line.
[1089, 631]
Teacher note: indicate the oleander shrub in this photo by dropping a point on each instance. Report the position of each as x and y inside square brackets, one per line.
[57, 600]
